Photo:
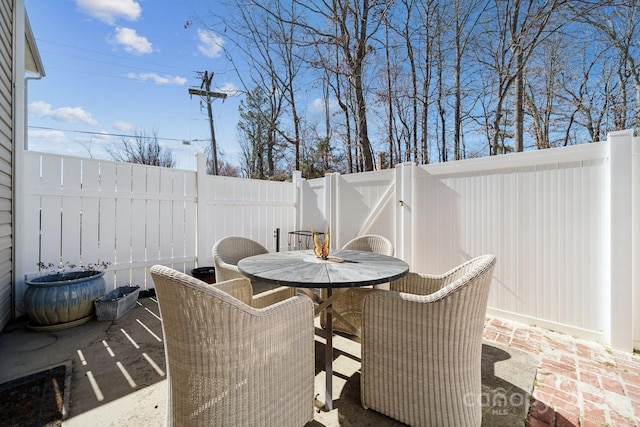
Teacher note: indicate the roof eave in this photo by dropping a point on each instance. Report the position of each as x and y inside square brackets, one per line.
[33, 62]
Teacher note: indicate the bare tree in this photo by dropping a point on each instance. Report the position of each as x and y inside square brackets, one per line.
[587, 87]
[255, 131]
[270, 46]
[541, 100]
[529, 23]
[356, 23]
[142, 149]
[464, 23]
[491, 49]
[434, 73]
[406, 31]
[620, 24]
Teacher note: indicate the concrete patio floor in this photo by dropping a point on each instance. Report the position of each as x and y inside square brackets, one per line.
[117, 374]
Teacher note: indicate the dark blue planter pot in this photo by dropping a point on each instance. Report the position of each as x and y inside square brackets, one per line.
[56, 301]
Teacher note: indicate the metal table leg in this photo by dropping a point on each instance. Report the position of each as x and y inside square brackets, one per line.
[328, 356]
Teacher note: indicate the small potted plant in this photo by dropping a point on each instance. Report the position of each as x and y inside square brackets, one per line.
[62, 295]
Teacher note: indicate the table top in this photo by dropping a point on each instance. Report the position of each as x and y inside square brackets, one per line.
[344, 269]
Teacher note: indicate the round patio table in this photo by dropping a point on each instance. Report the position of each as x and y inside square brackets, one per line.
[343, 269]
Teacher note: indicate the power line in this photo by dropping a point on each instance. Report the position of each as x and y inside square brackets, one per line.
[98, 61]
[122, 135]
[124, 58]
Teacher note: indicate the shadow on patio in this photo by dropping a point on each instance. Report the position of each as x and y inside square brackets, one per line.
[118, 374]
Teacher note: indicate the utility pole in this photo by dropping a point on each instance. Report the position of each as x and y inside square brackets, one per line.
[207, 95]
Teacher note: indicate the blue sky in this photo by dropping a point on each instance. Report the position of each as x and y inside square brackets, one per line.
[117, 66]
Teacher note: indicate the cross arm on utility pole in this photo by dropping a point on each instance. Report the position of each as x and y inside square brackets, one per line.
[193, 91]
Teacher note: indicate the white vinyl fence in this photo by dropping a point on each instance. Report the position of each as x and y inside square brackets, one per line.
[563, 223]
[84, 211]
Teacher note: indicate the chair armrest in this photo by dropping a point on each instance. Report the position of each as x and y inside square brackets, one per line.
[425, 284]
[226, 271]
[418, 283]
[272, 296]
[239, 288]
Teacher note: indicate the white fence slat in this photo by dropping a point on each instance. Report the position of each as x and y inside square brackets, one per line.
[90, 175]
[72, 174]
[108, 173]
[178, 229]
[123, 178]
[139, 179]
[32, 174]
[152, 181]
[138, 230]
[597, 274]
[50, 232]
[123, 230]
[166, 182]
[51, 172]
[138, 276]
[165, 226]
[152, 229]
[31, 233]
[70, 238]
[90, 229]
[107, 230]
[190, 228]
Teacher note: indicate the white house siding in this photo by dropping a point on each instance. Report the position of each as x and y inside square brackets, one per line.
[6, 132]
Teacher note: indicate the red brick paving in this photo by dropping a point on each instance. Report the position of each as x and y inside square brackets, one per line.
[579, 383]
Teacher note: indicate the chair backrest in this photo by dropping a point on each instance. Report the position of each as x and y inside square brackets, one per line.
[234, 248]
[193, 331]
[371, 243]
[222, 365]
[442, 326]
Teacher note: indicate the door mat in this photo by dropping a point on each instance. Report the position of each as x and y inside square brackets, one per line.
[35, 400]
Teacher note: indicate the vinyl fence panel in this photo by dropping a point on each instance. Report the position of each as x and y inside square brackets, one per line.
[563, 223]
[542, 218]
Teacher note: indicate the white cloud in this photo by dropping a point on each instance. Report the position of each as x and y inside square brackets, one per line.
[64, 114]
[317, 106]
[51, 136]
[157, 79]
[132, 42]
[210, 43]
[123, 126]
[229, 88]
[109, 10]
[69, 144]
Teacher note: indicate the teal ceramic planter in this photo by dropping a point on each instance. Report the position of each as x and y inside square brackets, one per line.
[56, 301]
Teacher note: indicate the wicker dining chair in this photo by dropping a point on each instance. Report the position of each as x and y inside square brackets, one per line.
[229, 363]
[349, 303]
[229, 250]
[422, 346]
[370, 243]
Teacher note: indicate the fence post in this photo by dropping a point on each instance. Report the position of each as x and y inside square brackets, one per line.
[404, 206]
[635, 238]
[620, 261]
[331, 207]
[202, 222]
[296, 178]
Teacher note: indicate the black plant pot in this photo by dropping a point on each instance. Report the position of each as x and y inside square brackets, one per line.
[206, 274]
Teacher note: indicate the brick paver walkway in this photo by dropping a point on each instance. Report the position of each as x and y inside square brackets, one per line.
[578, 382]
